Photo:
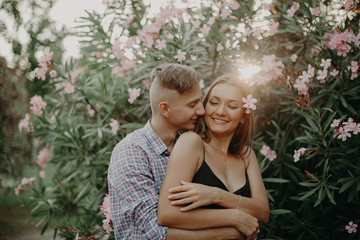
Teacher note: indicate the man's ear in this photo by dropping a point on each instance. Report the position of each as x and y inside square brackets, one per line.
[164, 109]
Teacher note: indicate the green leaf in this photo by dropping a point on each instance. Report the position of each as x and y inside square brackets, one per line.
[276, 180]
[280, 211]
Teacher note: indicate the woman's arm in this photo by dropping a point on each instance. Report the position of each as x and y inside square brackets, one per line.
[197, 195]
[258, 204]
[183, 163]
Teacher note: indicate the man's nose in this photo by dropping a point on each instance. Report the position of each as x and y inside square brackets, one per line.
[200, 110]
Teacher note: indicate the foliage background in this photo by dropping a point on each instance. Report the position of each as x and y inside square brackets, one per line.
[90, 105]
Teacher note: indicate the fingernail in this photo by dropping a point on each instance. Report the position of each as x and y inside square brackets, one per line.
[169, 197]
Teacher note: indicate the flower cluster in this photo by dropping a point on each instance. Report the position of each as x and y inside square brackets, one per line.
[249, 103]
[291, 12]
[106, 209]
[24, 182]
[25, 124]
[354, 66]
[133, 94]
[343, 130]
[114, 124]
[37, 105]
[271, 69]
[44, 66]
[304, 78]
[67, 86]
[341, 41]
[268, 153]
[42, 158]
[299, 153]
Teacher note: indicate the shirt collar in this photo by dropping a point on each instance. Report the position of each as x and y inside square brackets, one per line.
[155, 141]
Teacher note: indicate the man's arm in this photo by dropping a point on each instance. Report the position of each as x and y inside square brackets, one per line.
[133, 195]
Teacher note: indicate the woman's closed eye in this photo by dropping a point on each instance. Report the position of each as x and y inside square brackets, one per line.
[232, 107]
[213, 103]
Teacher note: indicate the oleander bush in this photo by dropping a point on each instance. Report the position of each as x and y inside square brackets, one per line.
[301, 59]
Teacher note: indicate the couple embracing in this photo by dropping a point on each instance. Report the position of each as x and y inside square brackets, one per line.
[202, 184]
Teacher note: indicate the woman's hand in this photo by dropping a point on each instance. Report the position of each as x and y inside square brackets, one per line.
[247, 224]
[194, 194]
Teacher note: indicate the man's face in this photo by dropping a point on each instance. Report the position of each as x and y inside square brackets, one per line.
[185, 109]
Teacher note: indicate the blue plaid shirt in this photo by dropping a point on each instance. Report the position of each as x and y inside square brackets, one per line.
[136, 172]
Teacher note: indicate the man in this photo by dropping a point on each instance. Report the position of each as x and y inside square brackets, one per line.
[138, 162]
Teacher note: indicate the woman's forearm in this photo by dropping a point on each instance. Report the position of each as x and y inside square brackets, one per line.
[253, 206]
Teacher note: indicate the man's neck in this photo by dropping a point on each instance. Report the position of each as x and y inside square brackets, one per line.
[166, 132]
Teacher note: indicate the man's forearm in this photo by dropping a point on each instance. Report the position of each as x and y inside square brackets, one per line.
[204, 234]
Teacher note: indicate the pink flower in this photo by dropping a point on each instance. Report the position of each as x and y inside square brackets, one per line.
[37, 105]
[117, 71]
[117, 50]
[128, 22]
[235, 5]
[24, 123]
[353, 75]
[249, 103]
[299, 153]
[106, 225]
[315, 11]
[219, 47]
[273, 28]
[32, 180]
[41, 72]
[43, 157]
[114, 126]
[335, 123]
[325, 63]
[77, 236]
[42, 174]
[134, 93]
[146, 84]
[68, 87]
[91, 111]
[343, 134]
[160, 44]
[293, 57]
[202, 84]
[53, 73]
[181, 56]
[293, 9]
[322, 74]
[356, 128]
[351, 228]
[205, 29]
[334, 72]
[24, 181]
[224, 13]
[106, 208]
[18, 190]
[268, 153]
[197, 23]
[211, 21]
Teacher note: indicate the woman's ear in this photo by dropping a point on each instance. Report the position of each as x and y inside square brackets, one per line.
[164, 109]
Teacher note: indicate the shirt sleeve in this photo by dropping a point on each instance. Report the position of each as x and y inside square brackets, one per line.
[133, 195]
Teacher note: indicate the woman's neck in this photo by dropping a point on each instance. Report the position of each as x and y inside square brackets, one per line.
[220, 143]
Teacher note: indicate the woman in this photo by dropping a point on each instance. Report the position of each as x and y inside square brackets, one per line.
[218, 155]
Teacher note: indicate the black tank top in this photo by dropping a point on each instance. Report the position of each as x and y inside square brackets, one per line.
[207, 177]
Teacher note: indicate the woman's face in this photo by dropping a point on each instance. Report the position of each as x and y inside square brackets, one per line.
[223, 111]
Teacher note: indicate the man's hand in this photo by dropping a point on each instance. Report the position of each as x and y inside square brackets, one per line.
[247, 224]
